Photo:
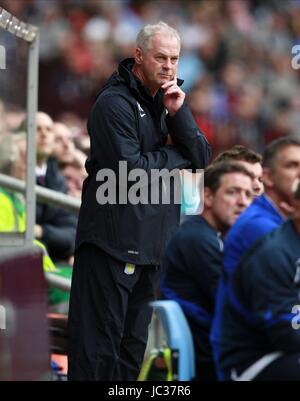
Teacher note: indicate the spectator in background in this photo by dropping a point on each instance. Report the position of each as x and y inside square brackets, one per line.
[241, 48]
[78, 128]
[12, 163]
[200, 104]
[12, 204]
[74, 174]
[193, 259]
[249, 159]
[281, 121]
[64, 147]
[71, 160]
[260, 324]
[55, 227]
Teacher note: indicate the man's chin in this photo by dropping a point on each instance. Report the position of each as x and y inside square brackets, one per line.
[163, 80]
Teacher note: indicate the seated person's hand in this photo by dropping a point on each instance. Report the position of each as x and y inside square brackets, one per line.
[169, 140]
[38, 231]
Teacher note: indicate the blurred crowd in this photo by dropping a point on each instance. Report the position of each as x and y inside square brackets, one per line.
[235, 61]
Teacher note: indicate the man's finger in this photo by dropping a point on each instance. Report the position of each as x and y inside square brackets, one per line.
[172, 87]
[168, 84]
[171, 91]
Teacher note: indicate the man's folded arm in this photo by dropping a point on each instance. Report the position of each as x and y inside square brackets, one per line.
[116, 124]
[188, 139]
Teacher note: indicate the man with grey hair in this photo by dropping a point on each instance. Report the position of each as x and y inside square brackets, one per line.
[140, 118]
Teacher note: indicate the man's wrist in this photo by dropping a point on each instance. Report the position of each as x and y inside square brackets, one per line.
[38, 231]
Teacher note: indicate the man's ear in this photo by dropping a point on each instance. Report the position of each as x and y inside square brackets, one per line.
[267, 177]
[208, 197]
[138, 57]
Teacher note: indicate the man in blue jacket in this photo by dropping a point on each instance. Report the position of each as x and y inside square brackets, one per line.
[260, 336]
[281, 167]
[141, 122]
[249, 159]
[193, 259]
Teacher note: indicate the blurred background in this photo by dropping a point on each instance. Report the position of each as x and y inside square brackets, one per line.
[235, 61]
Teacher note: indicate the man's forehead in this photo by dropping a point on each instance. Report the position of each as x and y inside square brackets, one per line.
[167, 43]
[289, 152]
[44, 121]
[235, 178]
[254, 168]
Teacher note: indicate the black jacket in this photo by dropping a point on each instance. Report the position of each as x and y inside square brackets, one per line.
[59, 226]
[127, 124]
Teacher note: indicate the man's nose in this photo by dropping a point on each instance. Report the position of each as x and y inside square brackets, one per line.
[243, 199]
[256, 185]
[167, 64]
[42, 130]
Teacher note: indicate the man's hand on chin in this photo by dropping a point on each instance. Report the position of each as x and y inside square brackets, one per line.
[173, 96]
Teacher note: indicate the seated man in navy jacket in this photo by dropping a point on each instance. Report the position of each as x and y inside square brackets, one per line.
[259, 329]
[193, 259]
[281, 166]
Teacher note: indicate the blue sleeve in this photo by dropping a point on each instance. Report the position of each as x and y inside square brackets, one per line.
[241, 237]
[273, 296]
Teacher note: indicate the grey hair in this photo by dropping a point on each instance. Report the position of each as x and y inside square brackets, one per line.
[148, 31]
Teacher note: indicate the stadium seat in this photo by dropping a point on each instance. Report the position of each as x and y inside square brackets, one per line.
[179, 336]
